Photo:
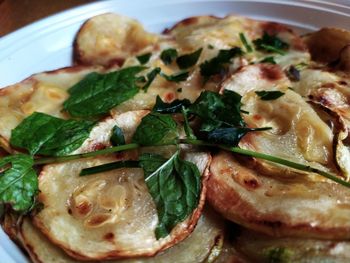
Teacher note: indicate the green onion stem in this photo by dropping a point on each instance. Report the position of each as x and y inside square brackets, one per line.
[59, 159]
[245, 43]
[270, 158]
[273, 49]
[237, 150]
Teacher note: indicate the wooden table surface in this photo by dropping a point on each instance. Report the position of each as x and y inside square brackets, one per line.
[15, 14]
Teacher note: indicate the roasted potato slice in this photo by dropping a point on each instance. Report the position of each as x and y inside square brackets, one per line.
[43, 92]
[278, 205]
[110, 38]
[298, 133]
[223, 33]
[194, 249]
[261, 248]
[113, 212]
[326, 44]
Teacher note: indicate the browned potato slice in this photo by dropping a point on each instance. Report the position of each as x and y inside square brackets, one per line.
[194, 249]
[223, 33]
[326, 44]
[43, 92]
[261, 248]
[281, 205]
[297, 133]
[107, 215]
[110, 38]
[331, 92]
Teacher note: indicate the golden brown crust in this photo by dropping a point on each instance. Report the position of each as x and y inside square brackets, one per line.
[231, 193]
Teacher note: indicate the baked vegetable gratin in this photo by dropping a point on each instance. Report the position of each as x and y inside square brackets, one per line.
[219, 140]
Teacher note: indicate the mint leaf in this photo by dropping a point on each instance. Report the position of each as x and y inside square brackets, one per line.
[156, 129]
[175, 187]
[172, 107]
[150, 77]
[43, 134]
[269, 95]
[18, 182]
[271, 43]
[188, 60]
[219, 63]
[216, 110]
[270, 60]
[177, 77]
[117, 137]
[187, 127]
[168, 55]
[144, 58]
[97, 93]
[230, 135]
[220, 116]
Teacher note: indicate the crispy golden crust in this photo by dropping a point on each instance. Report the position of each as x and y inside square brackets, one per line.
[292, 206]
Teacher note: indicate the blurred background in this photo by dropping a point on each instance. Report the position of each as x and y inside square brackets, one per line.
[15, 14]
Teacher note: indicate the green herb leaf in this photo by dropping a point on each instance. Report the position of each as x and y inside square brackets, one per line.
[231, 135]
[270, 60]
[271, 43]
[279, 255]
[117, 137]
[187, 127]
[144, 58]
[177, 77]
[269, 95]
[245, 43]
[168, 55]
[18, 182]
[175, 187]
[109, 167]
[217, 64]
[172, 107]
[47, 135]
[97, 93]
[150, 77]
[188, 60]
[217, 110]
[156, 129]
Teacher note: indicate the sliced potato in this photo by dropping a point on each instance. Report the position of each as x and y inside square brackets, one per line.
[297, 133]
[261, 248]
[278, 205]
[223, 33]
[194, 249]
[108, 215]
[43, 92]
[110, 38]
[326, 44]
[331, 92]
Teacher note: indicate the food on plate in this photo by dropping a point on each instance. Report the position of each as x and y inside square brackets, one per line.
[257, 247]
[278, 204]
[114, 158]
[113, 210]
[196, 248]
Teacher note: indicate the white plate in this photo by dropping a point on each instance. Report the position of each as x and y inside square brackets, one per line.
[47, 44]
